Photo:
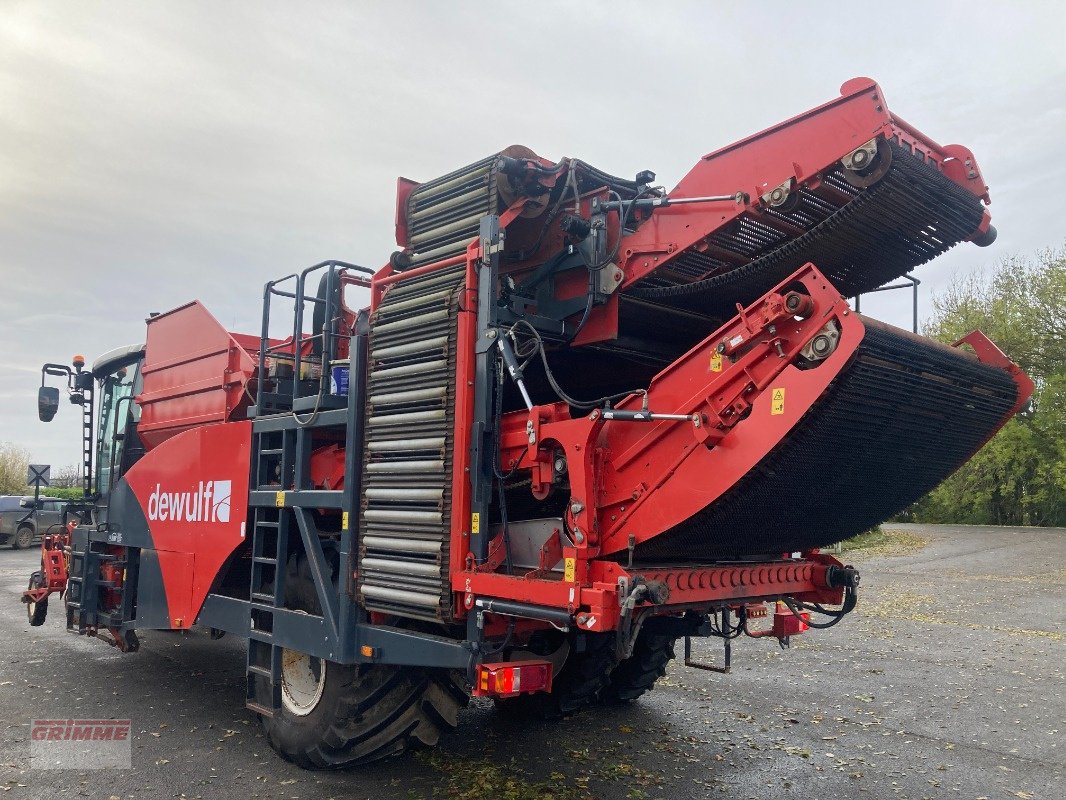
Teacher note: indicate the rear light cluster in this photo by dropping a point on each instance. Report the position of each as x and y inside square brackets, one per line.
[514, 678]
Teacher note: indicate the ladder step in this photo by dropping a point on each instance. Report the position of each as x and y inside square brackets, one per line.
[268, 525]
[264, 672]
[273, 451]
[266, 637]
[260, 709]
[264, 560]
[262, 598]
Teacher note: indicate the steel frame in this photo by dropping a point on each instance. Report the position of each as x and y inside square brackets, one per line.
[794, 152]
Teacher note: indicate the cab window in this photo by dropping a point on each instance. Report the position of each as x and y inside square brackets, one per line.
[117, 411]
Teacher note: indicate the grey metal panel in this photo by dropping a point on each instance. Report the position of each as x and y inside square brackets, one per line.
[306, 499]
[527, 537]
[285, 422]
[306, 632]
[228, 614]
[399, 646]
[152, 609]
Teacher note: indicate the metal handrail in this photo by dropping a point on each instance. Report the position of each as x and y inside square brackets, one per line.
[912, 282]
[300, 297]
[264, 338]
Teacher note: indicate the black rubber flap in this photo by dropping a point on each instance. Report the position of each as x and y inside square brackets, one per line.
[902, 416]
[913, 214]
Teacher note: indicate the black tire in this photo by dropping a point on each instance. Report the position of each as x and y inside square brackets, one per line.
[23, 538]
[37, 612]
[637, 674]
[576, 686]
[361, 713]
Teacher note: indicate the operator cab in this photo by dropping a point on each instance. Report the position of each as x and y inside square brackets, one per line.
[118, 447]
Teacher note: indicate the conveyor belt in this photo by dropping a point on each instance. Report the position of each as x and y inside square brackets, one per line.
[902, 417]
[405, 524]
[911, 215]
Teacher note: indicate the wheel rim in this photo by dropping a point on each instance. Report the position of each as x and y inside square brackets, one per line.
[303, 679]
[24, 537]
[31, 606]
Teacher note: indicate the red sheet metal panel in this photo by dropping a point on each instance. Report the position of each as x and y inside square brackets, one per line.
[193, 491]
[195, 373]
[796, 152]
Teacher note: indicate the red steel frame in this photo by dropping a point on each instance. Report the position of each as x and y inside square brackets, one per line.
[610, 461]
[796, 150]
[53, 565]
[716, 393]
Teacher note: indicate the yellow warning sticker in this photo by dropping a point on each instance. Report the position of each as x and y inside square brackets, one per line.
[777, 401]
[279, 500]
[716, 362]
[475, 522]
[569, 568]
[344, 520]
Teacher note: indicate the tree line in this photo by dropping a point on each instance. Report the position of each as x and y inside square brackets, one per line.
[1019, 477]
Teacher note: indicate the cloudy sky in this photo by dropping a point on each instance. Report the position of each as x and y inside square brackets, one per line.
[156, 152]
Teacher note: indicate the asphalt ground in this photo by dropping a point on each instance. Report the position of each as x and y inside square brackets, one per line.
[946, 682]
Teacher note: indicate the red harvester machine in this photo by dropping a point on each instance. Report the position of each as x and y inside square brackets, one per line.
[582, 418]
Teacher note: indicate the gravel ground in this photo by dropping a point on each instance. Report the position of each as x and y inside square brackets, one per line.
[947, 682]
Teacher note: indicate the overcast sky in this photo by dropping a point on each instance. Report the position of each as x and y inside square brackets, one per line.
[152, 153]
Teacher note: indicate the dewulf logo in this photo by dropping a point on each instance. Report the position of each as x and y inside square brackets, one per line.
[209, 502]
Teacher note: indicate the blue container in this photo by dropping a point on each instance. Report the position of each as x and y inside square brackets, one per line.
[338, 377]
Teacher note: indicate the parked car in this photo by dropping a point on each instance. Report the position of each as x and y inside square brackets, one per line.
[19, 527]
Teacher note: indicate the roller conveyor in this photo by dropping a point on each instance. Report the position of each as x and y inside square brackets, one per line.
[904, 414]
[868, 237]
[403, 556]
[442, 215]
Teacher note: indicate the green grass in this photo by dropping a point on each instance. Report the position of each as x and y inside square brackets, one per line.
[883, 542]
[871, 538]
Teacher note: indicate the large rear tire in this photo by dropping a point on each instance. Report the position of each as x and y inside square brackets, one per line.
[637, 674]
[339, 715]
[364, 713]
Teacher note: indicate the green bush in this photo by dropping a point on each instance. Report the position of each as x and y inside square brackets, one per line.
[66, 494]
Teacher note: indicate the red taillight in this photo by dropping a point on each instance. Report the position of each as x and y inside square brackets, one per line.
[510, 679]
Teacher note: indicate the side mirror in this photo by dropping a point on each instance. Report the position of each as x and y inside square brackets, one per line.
[47, 402]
